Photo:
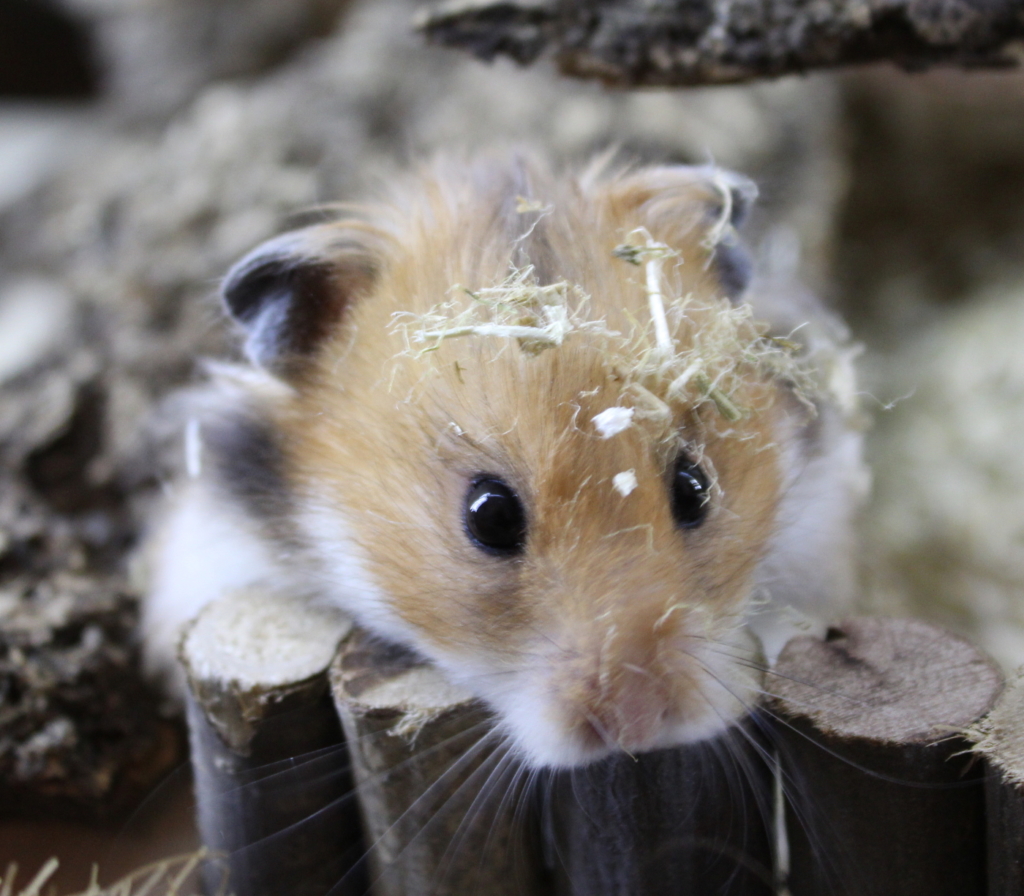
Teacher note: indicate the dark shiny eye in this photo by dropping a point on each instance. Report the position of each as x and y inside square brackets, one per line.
[690, 494]
[494, 517]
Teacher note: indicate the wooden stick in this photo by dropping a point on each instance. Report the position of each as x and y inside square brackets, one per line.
[1000, 737]
[637, 43]
[439, 795]
[884, 795]
[695, 820]
[273, 785]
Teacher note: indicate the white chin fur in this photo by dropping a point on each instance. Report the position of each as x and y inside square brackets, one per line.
[544, 743]
[538, 732]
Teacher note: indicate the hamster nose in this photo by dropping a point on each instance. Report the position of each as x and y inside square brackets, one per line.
[630, 714]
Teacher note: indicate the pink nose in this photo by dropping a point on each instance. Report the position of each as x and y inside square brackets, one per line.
[630, 715]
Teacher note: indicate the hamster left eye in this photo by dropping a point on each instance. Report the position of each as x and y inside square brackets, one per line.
[494, 517]
[690, 494]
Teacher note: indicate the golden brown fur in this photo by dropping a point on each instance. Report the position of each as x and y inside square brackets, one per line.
[612, 604]
[344, 463]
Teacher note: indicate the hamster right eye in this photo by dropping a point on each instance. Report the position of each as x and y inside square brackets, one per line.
[690, 494]
[494, 517]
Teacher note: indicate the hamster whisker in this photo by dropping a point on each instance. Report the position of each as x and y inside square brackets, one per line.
[506, 762]
[433, 792]
[722, 650]
[514, 767]
[518, 798]
[497, 759]
[331, 753]
[601, 730]
[782, 720]
[791, 789]
[293, 764]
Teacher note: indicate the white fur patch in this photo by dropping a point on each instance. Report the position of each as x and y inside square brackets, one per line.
[612, 421]
[344, 579]
[624, 482]
[203, 549]
[809, 561]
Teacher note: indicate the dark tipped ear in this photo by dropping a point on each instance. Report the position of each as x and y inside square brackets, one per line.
[730, 199]
[736, 194]
[291, 291]
[734, 267]
[684, 200]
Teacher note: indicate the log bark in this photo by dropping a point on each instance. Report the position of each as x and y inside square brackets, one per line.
[1000, 737]
[441, 798]
[633, 43]
[273, 787]
[696, 820]
[883, 793]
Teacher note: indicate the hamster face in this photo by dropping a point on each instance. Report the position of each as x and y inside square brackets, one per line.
[568, 521]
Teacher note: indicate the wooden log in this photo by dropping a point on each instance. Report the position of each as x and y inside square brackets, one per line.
[634, 43]
[696, 820]
[441, 798]
[273, 785]
[883, 794]
[1000, 739]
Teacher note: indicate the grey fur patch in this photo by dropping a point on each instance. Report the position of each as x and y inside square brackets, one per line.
[734, 267]
[250, 468]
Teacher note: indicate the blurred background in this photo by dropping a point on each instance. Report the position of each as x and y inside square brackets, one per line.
[147, 144]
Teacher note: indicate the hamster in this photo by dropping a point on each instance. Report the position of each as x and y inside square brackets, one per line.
[527, 424]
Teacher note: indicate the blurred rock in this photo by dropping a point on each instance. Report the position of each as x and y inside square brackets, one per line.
[34, 319]
[79, 735]
[944, 534]
[935, 210]
[36, 141]
[157, 53]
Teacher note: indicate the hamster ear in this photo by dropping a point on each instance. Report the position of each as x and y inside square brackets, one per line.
[730, 257]
[702, 201]
[289, 293]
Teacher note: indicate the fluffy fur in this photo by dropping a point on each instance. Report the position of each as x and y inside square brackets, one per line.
[615, 629]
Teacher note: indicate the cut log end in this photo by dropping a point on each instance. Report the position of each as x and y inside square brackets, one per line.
[1000, 740]
[883, 793]
[1000, 735]
[885, 680]
[255, 653]
[261, 638]
[272, 781]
